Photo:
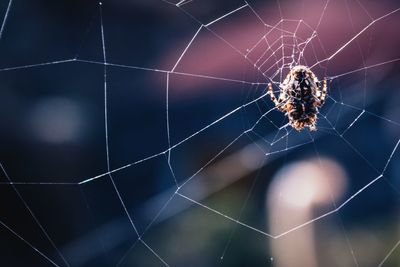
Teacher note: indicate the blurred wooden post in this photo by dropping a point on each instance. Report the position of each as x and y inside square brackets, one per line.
[295, 191]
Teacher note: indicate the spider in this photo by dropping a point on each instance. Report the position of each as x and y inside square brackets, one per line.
[300, 97]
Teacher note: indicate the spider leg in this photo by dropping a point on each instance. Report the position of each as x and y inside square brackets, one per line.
[324, 92]
[272, 95]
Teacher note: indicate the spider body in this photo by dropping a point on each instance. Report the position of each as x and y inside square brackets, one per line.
[301, 94]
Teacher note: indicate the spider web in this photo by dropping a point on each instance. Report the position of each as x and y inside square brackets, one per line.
[180, 145]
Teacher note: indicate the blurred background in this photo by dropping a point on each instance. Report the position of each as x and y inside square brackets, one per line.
[210, 176]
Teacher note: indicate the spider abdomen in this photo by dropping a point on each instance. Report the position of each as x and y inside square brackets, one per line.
[300, 96]
[302, 113]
